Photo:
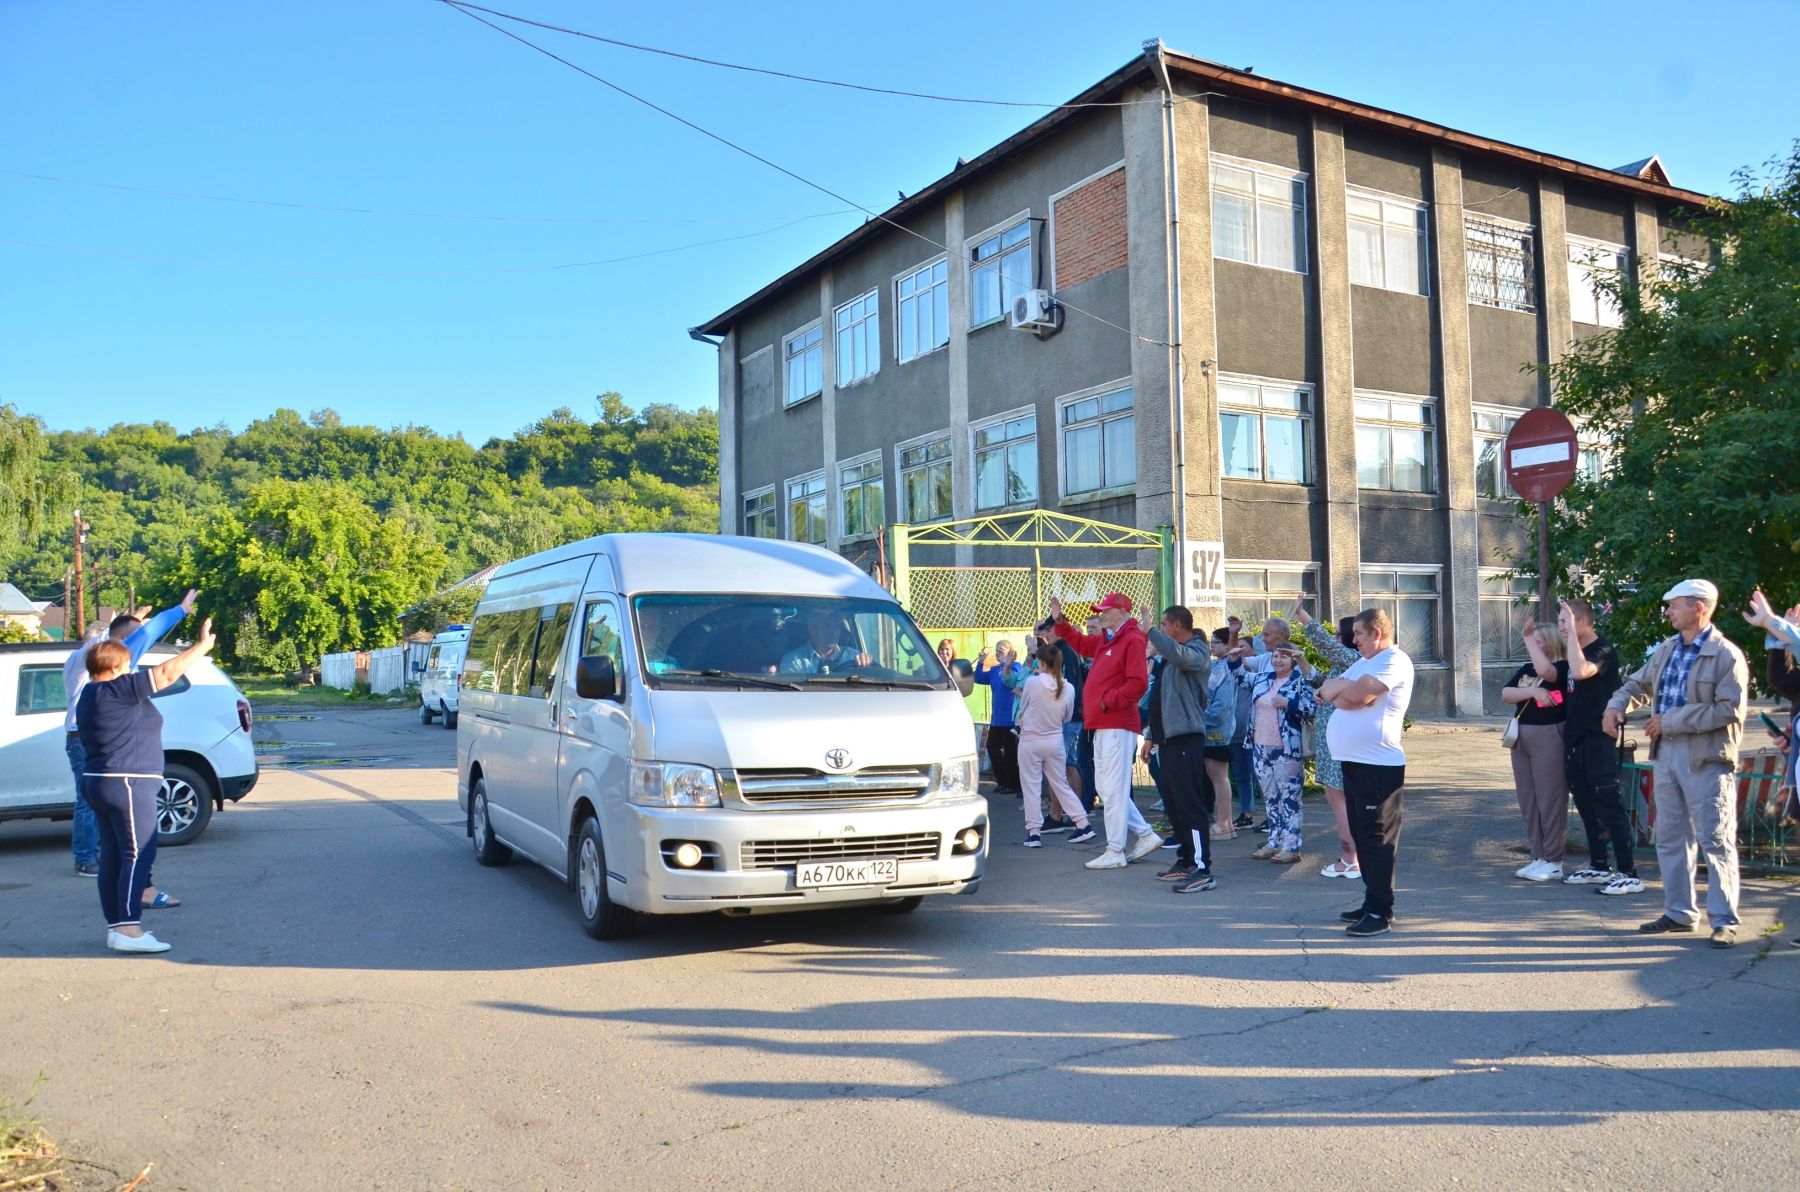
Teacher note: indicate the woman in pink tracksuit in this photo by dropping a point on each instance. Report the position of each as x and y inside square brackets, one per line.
[1046, 703]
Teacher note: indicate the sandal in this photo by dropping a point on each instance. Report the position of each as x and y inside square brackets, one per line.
[162, 902]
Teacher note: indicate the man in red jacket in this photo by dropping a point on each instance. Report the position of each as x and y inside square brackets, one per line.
[1118, 676]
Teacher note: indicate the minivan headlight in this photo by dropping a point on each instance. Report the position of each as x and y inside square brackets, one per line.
[672, 784]
[959, 777]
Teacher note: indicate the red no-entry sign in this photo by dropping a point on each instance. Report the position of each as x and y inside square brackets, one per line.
[1541, 454]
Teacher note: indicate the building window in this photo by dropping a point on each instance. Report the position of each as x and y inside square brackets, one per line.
[1590, 262]
[1394, 442]
[1491, 428]
[922, 303]
[925, 480]
[1387, 242]
[805, 353]
[1099, 442]
[1409, 596]
[759, 514]
[1500, 264]
[862, 496]
[1265, 430]
[1259, 214]
[1006, 462]
[1505, 603]
[858, 324]
[1254, 592]
[999, 271]
[806, 508]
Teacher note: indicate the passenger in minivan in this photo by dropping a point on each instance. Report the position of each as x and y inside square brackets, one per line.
[824, 650]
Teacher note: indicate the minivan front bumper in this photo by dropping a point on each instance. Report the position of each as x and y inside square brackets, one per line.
[750, 854]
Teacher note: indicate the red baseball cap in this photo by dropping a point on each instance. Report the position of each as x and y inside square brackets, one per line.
[1116, 600]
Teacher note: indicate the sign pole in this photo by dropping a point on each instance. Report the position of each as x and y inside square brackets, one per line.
[1544, 563]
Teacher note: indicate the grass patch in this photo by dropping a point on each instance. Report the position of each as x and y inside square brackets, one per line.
[29, 1158]
[281, 689]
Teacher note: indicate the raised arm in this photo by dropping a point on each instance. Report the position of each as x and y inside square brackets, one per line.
[1580, 665]
[1534, 650]
[1181, 657]
[165, 674]
[1336, 652]
[157, 627]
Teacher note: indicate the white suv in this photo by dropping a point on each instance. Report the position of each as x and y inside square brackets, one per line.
[208, 758]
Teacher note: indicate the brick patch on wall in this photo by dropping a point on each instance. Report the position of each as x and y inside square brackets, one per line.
[1090, 231]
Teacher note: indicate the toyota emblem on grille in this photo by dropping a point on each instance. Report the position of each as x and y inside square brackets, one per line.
[838, 759]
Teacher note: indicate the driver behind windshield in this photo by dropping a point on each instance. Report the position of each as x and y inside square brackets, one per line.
[823, 652]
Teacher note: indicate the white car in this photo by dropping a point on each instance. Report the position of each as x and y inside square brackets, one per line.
[208, 759]
[441, 683]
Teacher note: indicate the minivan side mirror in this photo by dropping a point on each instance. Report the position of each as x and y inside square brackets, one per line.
[595, 678]
[964, 675]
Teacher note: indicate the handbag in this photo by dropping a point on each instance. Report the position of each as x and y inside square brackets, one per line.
[1509, 736]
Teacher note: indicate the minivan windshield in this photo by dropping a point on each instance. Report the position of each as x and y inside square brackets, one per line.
[782, 641]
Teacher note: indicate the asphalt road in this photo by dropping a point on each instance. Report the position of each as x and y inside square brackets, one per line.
[352, 1002]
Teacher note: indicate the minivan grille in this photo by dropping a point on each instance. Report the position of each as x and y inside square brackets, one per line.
[783, 854]
[814, 788]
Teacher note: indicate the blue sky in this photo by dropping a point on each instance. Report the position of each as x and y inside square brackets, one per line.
[120, 305]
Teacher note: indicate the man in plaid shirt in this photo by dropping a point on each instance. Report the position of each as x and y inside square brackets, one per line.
[1695, 683]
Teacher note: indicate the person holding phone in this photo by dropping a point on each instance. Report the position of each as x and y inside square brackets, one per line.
[1540, 777]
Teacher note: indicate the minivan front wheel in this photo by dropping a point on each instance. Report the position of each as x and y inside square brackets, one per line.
[488, 851]
[426, 715]
[601, 917]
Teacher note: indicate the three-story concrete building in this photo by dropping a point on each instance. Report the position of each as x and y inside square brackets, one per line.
[1267, 317]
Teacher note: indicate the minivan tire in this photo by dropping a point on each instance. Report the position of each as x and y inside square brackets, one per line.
[601, 917]
[425, 713]
[449, 718]
[903, 906]
[488, 851]
[184, 804]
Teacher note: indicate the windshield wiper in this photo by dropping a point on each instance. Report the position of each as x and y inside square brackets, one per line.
[865, 680]
[716, 675]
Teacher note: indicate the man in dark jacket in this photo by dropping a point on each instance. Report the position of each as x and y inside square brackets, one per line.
[1118, 676]
[1178, 731]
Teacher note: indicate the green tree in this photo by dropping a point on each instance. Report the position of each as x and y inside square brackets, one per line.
[312, 566]
[33, 492]
[1698, 392]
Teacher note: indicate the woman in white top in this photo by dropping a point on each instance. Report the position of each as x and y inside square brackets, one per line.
[1046, 702]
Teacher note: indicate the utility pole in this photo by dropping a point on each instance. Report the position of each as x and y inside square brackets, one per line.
[80, 607]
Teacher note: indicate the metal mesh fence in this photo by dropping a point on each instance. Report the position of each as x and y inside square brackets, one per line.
[944, 598]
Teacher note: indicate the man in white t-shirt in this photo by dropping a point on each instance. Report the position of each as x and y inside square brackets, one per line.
[1364, 735]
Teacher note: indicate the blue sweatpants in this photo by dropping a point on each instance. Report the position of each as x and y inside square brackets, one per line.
[126, 808]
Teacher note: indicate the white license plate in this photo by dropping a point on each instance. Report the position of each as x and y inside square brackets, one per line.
[872, 871]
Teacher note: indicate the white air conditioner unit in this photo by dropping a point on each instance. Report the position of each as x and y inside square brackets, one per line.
[1035, 310]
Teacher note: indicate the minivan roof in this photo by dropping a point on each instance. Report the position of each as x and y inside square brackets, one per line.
[713, 563]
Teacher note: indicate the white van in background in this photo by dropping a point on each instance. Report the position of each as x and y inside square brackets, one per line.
[441, 682]
[680, 723]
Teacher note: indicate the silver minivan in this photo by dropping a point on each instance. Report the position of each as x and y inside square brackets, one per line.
[682, 723]
[440, 684]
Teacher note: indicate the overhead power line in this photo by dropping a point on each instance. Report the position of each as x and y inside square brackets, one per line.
[778, 74]
[464, 9]
[299, 206]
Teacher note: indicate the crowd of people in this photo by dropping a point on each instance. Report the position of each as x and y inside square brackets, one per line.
[1207, 713]
[1213, 714]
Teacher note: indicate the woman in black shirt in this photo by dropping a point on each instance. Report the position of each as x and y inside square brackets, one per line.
[121, 730]
[1539, 775]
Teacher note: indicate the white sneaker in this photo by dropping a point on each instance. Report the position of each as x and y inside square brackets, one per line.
[1546, 871]
[1112, 858]
[1622, 883]
[1146, 844]
[134, 943]
[1526, 870]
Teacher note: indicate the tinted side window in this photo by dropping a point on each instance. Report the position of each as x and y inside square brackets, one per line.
[554, 631]
[41, 690]
[500, 652]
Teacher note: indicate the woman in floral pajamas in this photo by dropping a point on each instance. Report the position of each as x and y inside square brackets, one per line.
[1281, 702]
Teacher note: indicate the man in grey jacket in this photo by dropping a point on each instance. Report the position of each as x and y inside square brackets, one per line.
[1696, 683]
[1177, 730]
